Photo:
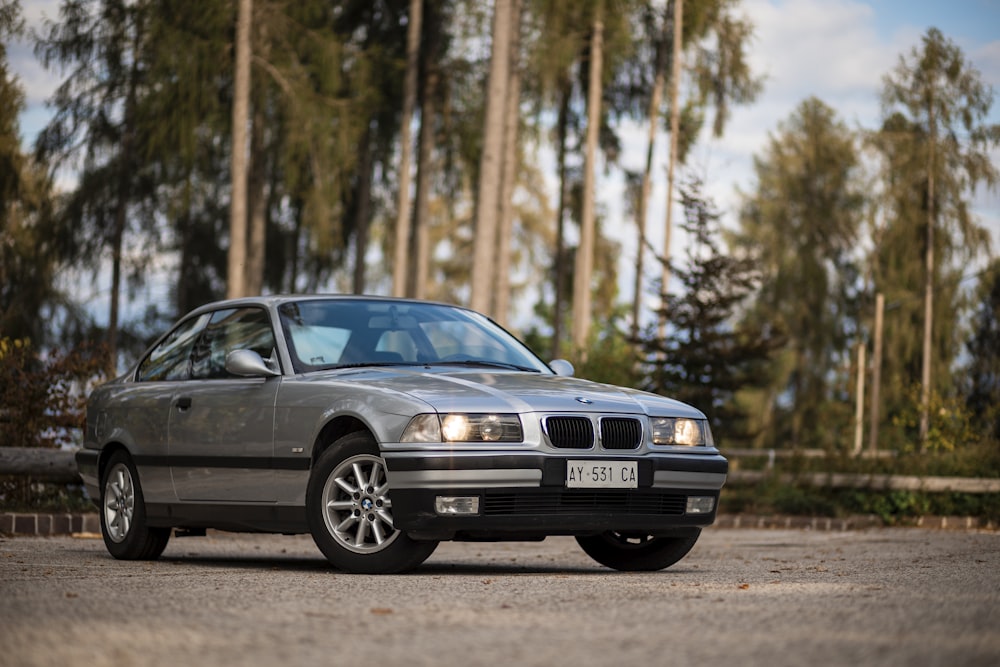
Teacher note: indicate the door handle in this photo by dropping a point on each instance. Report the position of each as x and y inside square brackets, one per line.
[183, 403]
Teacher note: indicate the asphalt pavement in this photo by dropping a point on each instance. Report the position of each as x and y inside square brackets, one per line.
[887, 596]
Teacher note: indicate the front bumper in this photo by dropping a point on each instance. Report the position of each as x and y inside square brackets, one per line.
[524, 495]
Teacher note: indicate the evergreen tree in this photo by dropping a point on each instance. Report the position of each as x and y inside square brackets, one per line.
[29, 246]
[709, 356]
[934, 142]
[983, 346]
[802, 225]
[104, 44]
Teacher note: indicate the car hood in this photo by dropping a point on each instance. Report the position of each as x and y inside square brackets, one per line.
[477, 391]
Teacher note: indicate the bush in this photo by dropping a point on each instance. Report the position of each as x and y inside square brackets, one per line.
[44, 403]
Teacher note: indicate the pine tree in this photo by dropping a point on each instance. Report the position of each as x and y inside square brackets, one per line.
[983, 346]
[935, 142]
[29, 247]
[709, 355]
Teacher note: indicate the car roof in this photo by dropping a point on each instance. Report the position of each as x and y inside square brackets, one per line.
[275, 300]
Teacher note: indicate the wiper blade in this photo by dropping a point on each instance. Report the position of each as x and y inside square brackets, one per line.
[366, 364]
[484, 362]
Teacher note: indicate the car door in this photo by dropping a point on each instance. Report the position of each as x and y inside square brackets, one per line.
[221, 427]
[140, 411]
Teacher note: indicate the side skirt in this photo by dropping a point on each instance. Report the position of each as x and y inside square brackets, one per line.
[287, 519]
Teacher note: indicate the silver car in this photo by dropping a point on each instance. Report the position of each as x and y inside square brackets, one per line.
[381, 427]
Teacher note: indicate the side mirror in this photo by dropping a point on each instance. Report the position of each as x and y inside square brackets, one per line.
[248, 363]
[562, 367]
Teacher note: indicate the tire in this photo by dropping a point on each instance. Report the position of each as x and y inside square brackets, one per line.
[635, 552]
[123, 513]
[351, 523]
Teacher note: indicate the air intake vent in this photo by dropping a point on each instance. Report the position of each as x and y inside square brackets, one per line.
[620, 433]
[570, 432]
[625, 503]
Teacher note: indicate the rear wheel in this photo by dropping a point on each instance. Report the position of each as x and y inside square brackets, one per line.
[350, 511]
[636, 552]
[123, 514]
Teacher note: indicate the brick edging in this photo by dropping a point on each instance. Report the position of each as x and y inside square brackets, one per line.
[46, 524]
[858, 522]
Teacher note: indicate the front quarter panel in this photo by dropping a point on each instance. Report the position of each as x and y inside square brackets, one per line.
[305, 407]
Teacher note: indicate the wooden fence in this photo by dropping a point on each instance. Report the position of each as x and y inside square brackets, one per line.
[59, 466]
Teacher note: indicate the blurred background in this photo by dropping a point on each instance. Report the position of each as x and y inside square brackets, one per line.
[783, 212]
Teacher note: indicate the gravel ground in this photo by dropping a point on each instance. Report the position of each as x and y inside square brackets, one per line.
[747, 597]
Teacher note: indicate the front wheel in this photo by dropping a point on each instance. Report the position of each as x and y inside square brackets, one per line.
[636, 552]
[123, 514]
[350, 511]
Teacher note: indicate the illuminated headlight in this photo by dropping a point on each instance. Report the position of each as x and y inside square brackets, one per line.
[679, 431]
[458, 427]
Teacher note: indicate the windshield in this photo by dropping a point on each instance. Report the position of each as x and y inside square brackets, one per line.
[344, 333]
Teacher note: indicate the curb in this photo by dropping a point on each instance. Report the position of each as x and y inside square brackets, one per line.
[44, 524]
[860, 522]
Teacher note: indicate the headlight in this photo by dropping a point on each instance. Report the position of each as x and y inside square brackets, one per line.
[458, 427]
[679, 431]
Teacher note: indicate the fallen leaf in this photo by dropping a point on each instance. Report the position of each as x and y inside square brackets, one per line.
[744, 587]
[381, 611]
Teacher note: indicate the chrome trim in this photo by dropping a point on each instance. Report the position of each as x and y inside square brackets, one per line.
[688, 480]
[462, 479]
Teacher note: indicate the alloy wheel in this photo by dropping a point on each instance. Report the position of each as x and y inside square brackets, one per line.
[357, 509]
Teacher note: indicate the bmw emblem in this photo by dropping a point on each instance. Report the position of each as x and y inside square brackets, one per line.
[585, 401]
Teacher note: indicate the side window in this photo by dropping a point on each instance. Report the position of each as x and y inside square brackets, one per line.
[228, 330]
[170, 360]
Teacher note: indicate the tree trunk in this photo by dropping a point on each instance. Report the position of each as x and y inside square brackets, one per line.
[429, 75]
[185, 234]
[640, 218]
[400, 269]
[362, 211]
[420, 243]
[121, 206]
[562, 130]
[675, 112]
[585, 251]
[256, 249]
[487, 196]
[876, 373]
[925, 372]
[236, 286]
[501, 304]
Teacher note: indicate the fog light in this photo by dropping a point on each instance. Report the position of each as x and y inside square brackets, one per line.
[456, 504]
[700, 505]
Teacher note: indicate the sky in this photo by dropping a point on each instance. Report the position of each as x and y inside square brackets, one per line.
[836, 50]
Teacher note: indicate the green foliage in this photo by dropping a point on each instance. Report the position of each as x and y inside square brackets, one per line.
[950, 428]
[610, 358]
[982, 389]
[935, 130]
[28, 251]
[801, 226]
[892, 507]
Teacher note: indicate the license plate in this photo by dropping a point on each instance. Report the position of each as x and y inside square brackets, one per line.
[602, 475]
